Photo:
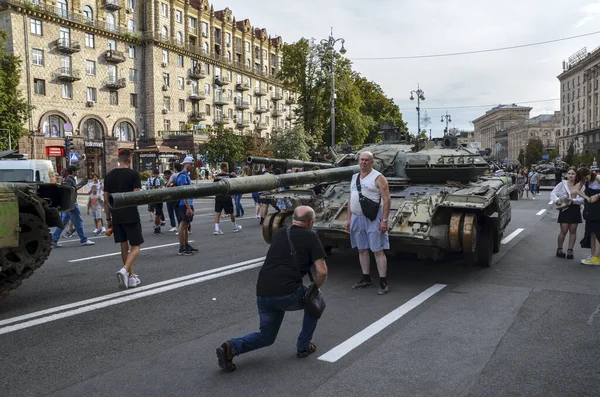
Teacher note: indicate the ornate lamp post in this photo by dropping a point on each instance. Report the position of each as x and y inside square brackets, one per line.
[330, 46]
[420, 97]
[448, 119]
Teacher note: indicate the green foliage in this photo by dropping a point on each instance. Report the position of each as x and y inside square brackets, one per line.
[255, 146]
[292, 143]
[553, 154]
[570, 157]
[13, 107]
[145, 175]
[534, 151]
[521, 157]
[225, 146]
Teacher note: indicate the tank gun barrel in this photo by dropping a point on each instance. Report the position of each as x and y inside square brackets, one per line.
[287, 163]
[231, 186]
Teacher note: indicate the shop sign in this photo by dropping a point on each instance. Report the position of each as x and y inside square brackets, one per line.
[153, 155]
[55, 151]
[94, 144]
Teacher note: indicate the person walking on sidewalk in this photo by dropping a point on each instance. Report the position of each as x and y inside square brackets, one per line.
[239, 210]
[224, 203]
[534, 180]
[174, 205]
[73, 215]
[156, 182]
[591, 214]
[95, 203]
[186, 210]
[279, 289]
[125, 222]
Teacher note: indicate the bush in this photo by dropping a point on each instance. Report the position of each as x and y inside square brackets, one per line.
[145, 175]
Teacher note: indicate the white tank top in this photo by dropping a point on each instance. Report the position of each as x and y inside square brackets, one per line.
[368, 189]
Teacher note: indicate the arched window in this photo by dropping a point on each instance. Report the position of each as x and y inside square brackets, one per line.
[229, 55]
[205, 47]
[88, 14]
[92, 130]
[62, 8]
[54, 127]
[164, 32]
[131, 25]
[124, 131]
[179, 38]
[110, 21]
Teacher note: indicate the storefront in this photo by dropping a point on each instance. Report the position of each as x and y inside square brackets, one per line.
[93, 134]
[56, 154]
[160, 157]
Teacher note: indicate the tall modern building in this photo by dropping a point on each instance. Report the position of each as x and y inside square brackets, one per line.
[137, 74]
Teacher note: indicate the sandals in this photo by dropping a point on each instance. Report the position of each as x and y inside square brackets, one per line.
[311, 349]
[560, 253]
[225, 357]
[569, 254]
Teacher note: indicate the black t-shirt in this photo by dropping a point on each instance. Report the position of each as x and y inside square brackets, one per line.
[122, 180]
[219, 177]
[278, 275]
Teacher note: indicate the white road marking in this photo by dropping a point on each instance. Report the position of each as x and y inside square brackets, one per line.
[542, 212]
[125, 296]
[514, 234]
[350, 344]
[119, 253]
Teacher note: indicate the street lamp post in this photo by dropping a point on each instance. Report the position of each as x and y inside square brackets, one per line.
[420, 97]
[448, 119]
[330, 45]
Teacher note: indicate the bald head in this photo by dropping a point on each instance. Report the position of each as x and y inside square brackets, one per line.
[303, 215]
[367, 155]
[366, 162]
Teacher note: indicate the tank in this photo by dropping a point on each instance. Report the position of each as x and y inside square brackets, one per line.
[27, 210]
[287, 163]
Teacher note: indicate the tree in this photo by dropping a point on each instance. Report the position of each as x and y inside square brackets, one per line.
[14, 109]
[293, 143]
[534, 151]
[224, 146]
[521, 157]
[255, 146]
[570, 157]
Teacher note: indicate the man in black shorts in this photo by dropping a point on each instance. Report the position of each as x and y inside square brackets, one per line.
[124, 222]
[224, 203]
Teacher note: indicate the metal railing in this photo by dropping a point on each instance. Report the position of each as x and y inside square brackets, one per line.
[67, 45]
[197, 73]
[197, 116]
[65, 73]
[114, 56]
[112, 5]
[222, 119]
[116, 83]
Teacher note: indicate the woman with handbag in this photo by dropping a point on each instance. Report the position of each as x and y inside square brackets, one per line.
[566, 197]
[591, 214]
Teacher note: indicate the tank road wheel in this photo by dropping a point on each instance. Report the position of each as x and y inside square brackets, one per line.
[469, 239]
[279, 222]
[485, 244]
[266, 227]
[20, 262]
[454, 233]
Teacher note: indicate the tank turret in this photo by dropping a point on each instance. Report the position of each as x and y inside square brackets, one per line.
[287, 163]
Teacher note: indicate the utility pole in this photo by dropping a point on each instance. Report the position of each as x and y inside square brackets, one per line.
[330, 45]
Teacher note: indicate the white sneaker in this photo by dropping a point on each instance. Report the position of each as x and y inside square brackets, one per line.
[123, 278]
[103, 230]
[133, 282]
[55, 244]
[218, 232]
[533, 198]
[95, 231]
[173, 229]
[88, 242]
[237, 229]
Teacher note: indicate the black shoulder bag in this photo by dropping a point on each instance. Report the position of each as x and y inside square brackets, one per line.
[369, 207]
[313, 299]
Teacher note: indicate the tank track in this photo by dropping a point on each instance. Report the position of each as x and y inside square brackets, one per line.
[18, 264]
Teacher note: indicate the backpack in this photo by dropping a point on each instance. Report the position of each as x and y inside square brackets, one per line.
[152, 182]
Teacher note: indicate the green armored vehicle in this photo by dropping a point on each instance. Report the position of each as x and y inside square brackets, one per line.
[28, 207]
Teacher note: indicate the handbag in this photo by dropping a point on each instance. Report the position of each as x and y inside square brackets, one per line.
[564, 202]
[369, 207]
[314, 303]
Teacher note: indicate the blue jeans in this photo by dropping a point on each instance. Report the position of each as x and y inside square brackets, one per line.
[74, 216]
[239, 210]
[173, 213]
[271, 310]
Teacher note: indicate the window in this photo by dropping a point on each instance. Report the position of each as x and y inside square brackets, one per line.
[111, 21]
[89, 40]
[178, 16]
[207, 89]
[37, 56]
[182, 105]
[230, 113]
[167, 103]
[133, 100]
[36, 27]
[131, 25]
[207, 109]
[205, 47]
[229, 75]
[131, 4]
[247, 46]
[204, 29]
[124, 131]
[114, 98]
[180, 61]
[167, 125]
[91, 94]
[112, 44]
[39, 87]
[165, 56]
[88, 14]
[193, 23]
[194, 85]
[180, 83]
[164, 32]
[90, 67]
[61, 8]
[207, 69]
[67, 90]
[131, 51]
[92, 130]
[182, 126]
[164, 9]
[228, 38]
[54, 127]
[112, 73]
[65, 63]
[133, 75]
[166, 79]
[179, 38]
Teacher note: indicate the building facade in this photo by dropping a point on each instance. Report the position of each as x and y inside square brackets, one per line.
[580, 103]
[119, 74]
[546, 127]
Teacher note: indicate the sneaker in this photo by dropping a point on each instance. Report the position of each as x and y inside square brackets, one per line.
[216, 232]
[103, 230]
[225, 357]
[595, 261]
[191, 249]
[157, 230]
[123, 277]
[88, 242]
[69, 235]
[55, 244]
[183, 251]
[237, 228]
[362, 284]
[533, 198]
[383, 289]
[133, 282]
[589, 258]
[162, 223]
[173, 229]
[95, 231]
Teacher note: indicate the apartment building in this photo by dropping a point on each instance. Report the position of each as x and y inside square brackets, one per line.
[116, 74]
[580, 103]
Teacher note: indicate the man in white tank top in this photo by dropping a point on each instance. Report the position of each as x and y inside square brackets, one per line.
[365, 234]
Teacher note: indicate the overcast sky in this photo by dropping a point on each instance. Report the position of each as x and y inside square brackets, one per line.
[386, 28]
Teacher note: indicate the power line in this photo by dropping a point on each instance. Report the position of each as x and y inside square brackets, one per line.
[451, 54]
[489, 106]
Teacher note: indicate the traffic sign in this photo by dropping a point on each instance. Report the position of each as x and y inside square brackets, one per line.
[498, 145]
[68, 129]
[74, 157]
[545, 156]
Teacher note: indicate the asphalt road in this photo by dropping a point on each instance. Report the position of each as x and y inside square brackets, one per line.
[527, 326]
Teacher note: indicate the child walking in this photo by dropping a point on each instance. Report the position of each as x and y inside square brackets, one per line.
[95, 204]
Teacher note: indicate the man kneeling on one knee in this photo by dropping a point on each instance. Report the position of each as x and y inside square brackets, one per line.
[279, 289]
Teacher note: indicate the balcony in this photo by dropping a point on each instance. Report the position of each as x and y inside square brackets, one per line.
[289, 116]
[261, 109]
[277, 112]
[242, 87]
[196, 117]
[220, 120]
[197, 73]
[243, 124]
[221, 101]
[67, 74]
[243, 105]
[261, 126]
[67, 46]
[222, 81]
[114, 56]
[260, 91]
[193, 31]
[115, 84]
[277, 129]
[276, 96]
[290, 101]
[197, 96]
[113, 5]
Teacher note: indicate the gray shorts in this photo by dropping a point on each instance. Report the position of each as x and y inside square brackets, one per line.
[96, 214]
[365, 234]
